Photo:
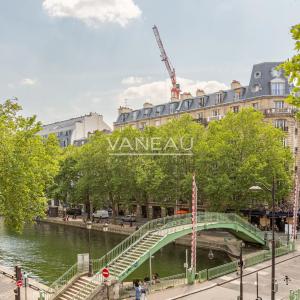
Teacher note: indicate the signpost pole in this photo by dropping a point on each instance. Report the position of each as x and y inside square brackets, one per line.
[194, 228]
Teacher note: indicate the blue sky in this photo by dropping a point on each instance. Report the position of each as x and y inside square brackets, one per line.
[64, 58]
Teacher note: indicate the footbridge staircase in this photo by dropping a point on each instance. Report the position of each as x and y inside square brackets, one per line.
[138, 247]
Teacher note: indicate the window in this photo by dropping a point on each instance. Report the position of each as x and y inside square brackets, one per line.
[157, 122]
[159, 109]
[255, 105]
[219, 98]
[278, 87]
[256, 88]
[146, 111]
[123, 117]
[280, 123]
[173, 107]
[237, 95]
[257, 75]
[188, 103]
[215, 112]
[201, 115]
[279, 104]
[235, 109]
[202, 102]
[284, 142]
[296, 131]
[135, 114]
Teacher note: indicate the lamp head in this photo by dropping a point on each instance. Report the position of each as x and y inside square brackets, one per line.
[255, 188]
[89, 225]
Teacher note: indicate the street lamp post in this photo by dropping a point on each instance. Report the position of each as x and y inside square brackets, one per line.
[150, 267]
[89, 227]
[272, 191]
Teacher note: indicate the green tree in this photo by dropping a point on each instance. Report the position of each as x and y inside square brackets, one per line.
[27, 166]
[237, 152]
[291, 68]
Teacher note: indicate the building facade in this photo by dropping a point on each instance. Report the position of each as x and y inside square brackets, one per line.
[75, 131]
[266, 92]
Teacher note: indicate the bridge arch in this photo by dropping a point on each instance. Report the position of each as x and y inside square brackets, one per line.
[169, 229]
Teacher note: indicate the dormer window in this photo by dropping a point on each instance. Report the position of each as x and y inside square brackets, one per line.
[173, 107]
[146, 111]
[135, 114]
[219, 97]
[123, 117]
[159, 109]
[202, 102]
[237, 95]
[188, 103]
[277, 87]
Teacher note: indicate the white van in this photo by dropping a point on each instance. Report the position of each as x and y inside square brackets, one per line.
[100, 214]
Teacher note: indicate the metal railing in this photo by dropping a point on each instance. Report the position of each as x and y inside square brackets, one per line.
[61, 282]
[249, 260]
[168, 282]
[153, 225]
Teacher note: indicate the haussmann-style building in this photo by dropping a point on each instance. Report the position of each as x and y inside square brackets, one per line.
[266, 92]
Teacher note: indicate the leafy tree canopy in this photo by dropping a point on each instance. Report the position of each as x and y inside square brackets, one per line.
[27, 166]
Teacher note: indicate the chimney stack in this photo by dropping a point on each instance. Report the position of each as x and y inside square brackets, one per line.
[235, 85]
[200, 93]
[147, 105]
[124, 109]
[185, 95]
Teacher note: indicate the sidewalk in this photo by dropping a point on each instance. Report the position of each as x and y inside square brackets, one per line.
[227, 286]
[7, 286]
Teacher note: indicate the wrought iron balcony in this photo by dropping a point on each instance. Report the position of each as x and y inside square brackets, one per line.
[280, 111]
[215, 118]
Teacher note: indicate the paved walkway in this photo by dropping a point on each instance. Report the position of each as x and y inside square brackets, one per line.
[227, 287]
[7, 286]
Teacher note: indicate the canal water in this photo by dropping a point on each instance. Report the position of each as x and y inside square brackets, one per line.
[48, 250]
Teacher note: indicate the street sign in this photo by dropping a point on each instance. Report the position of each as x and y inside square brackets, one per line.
[105, 273]
[19, 283]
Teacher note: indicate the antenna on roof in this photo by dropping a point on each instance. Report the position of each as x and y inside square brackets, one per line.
[125, 102]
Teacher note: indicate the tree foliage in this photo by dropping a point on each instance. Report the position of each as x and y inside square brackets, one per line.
[27, 166]
[291, 68]
[228, 156]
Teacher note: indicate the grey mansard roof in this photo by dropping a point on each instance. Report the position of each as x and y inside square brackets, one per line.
[259, 85]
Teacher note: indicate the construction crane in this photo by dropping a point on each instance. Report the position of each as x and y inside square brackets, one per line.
[175, 91]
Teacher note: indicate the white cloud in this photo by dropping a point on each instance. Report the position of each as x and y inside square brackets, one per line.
[159, 91]
[28, 81]
[131, 80]
[94, 12]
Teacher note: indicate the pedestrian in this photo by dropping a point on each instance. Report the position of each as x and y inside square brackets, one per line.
[137, 288]
[122, 224]
[144, 290]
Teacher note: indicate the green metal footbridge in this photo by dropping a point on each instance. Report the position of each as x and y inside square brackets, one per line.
[138, 247]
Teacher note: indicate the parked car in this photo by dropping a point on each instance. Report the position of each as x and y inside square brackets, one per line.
[129, 218]
[74, 211]
[100, 215]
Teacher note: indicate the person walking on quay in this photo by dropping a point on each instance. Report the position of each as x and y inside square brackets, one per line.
[137, 288]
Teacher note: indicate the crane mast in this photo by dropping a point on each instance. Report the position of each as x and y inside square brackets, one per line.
[175, 91]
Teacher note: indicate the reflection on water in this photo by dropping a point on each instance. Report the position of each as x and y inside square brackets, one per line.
[48, 250]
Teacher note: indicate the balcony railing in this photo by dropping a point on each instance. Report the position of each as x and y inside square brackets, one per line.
[280, 111]
[215, 118]
[201, 121]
